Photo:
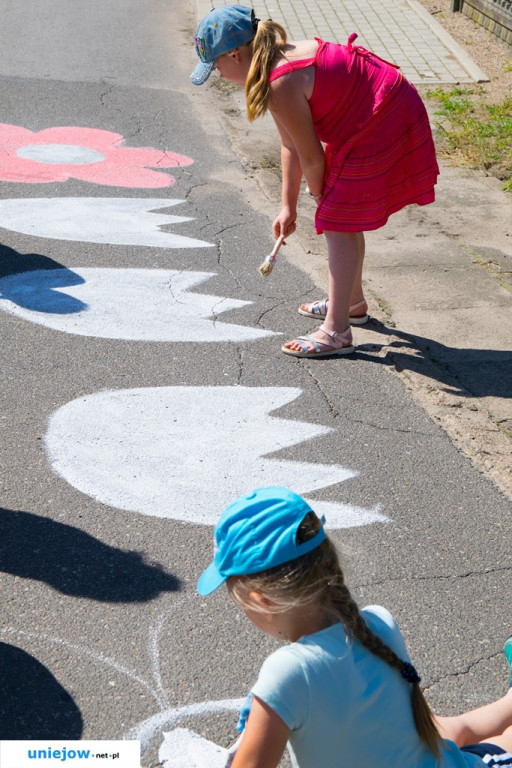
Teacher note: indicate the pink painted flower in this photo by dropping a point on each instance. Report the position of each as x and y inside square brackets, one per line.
[88, 154]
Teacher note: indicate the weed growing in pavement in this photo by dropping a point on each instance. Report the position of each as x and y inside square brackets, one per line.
[473, 133]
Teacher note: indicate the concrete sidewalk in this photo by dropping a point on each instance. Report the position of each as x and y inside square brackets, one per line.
[399, 31]
[438, 281]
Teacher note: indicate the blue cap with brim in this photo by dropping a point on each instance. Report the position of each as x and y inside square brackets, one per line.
[256, 532]
[220, 31]
[202, 72]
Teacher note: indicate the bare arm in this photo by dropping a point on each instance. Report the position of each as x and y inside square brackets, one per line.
[292, 176]
[264, 739]
[291, 111]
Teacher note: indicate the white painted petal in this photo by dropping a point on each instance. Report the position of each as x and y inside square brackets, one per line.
[186, 452]
[131, 304]
[117, 221]
[347, 515]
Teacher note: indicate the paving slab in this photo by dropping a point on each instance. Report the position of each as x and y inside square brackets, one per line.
[400, 31]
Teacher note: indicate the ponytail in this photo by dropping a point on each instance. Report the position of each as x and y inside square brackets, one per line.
[424, 721]
[269, 41]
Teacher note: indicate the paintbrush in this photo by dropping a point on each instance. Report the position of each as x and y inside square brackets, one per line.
[268, 265]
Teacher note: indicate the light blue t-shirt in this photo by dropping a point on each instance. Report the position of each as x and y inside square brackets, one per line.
[345, 706]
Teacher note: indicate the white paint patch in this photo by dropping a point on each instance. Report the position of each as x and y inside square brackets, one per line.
[182, 748]
[117, 221]
[132, 304]
[186, 452]
[148, 729]
[60, 154]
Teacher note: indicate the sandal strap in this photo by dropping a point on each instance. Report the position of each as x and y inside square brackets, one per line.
[309, 338]
[345, 337]
[320, 307]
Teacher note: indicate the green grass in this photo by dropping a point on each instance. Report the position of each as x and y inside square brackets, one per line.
[473, 133]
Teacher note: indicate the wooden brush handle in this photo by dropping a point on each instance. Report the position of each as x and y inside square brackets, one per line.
[276, 247]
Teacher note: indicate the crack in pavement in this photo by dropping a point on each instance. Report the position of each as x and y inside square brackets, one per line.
[433, 577]
[462, 672]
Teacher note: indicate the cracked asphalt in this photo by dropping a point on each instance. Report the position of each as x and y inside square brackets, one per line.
[100, 612]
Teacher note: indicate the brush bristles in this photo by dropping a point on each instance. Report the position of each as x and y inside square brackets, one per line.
[266, 268]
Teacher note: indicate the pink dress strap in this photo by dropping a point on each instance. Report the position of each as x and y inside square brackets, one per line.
[353, 49]
[290, 66]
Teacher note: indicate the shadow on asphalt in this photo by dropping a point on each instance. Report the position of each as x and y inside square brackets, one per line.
[464, 372]
[75, 563]
[33, 705]
[20, 282]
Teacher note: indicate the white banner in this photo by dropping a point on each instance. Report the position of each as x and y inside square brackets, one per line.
[50, 754]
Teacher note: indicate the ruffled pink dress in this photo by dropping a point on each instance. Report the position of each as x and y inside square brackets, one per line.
[379, 151]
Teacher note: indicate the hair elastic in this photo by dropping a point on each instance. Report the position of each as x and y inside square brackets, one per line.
[408, 672]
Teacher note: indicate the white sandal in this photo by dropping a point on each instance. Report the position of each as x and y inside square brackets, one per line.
[318, 309]
[336, 344]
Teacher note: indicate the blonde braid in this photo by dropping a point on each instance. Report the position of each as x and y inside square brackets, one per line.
[346, 608]
[344, 605]
[269, 41]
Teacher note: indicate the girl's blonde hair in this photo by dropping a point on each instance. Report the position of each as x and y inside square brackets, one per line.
[269, 42]
[317, 578]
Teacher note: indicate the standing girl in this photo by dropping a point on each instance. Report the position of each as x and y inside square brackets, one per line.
[379, 153]
[343, 692]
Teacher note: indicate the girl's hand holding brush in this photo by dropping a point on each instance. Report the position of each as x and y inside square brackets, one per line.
[268, 265]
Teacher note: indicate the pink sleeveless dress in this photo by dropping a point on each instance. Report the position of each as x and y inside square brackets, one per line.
[379, 151]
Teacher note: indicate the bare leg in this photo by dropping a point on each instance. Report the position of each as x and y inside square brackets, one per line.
[504, 741]
[357, 301]
[357, 289]
[344, 267]
[492, 722]
[346, 254]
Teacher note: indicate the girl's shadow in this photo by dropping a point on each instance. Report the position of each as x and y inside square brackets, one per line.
[464, 372]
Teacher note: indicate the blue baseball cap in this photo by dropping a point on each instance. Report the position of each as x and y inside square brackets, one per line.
[256, 532]
[222, 30]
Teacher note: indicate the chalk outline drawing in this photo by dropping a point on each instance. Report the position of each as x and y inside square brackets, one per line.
[152, 726]
[88, 154]
[129, 304]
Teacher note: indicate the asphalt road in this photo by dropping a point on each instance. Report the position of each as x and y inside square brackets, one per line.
[137, 379]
